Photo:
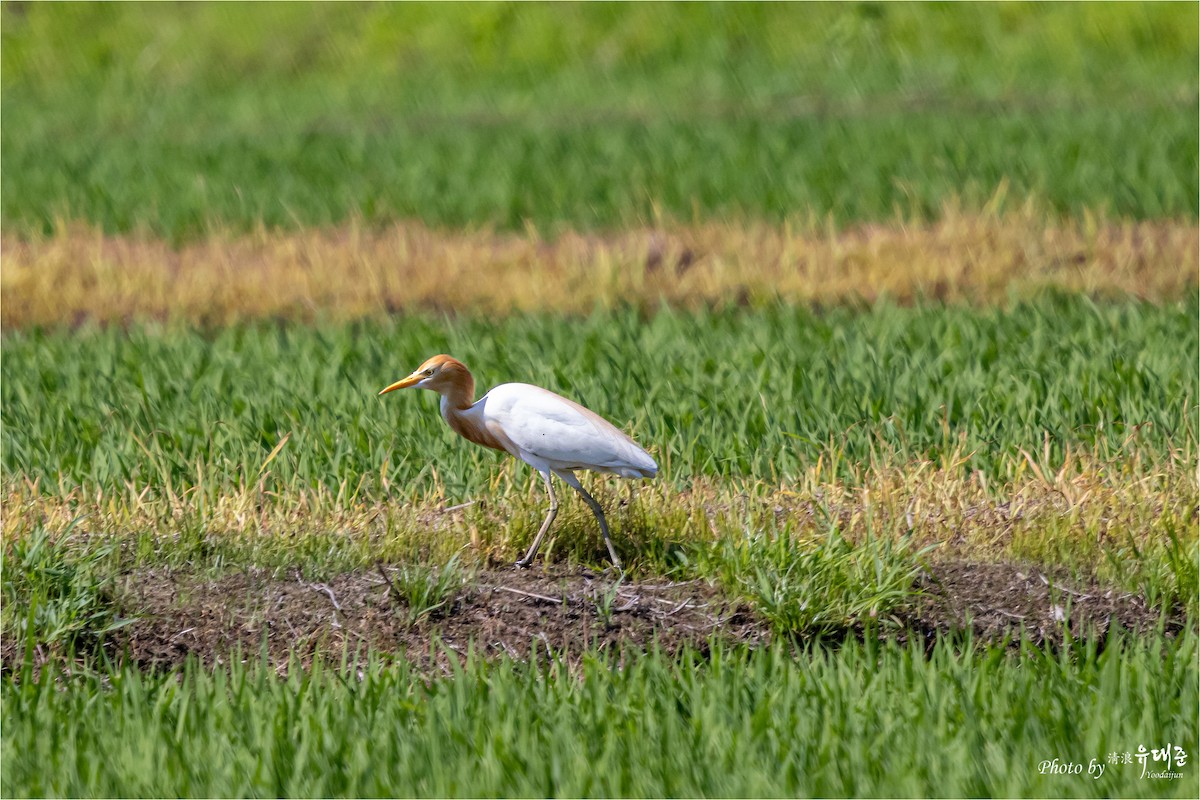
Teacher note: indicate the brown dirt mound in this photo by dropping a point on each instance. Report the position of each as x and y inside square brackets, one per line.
[516, 612]
[503, 612]
[999, 600]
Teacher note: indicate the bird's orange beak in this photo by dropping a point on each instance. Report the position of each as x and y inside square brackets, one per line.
[404, 383]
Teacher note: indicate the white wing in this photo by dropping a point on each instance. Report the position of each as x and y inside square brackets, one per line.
[561, 433]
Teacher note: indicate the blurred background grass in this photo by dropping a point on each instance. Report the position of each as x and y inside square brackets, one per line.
[455, 55]
[180, 118]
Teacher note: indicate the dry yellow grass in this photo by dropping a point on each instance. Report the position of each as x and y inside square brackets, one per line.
[353, 271]
[1108, 516]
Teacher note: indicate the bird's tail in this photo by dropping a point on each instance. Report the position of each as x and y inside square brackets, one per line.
[644, 466]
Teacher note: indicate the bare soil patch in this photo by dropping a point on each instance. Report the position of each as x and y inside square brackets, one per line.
[556, 611]
[999, 600]
[505, 612]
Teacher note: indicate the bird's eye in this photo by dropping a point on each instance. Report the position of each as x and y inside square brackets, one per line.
[428, 372]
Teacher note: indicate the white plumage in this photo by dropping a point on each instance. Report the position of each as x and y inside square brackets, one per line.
[550, 431]
[552, 434]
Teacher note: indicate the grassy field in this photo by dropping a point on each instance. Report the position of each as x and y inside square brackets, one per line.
[732, 394]
[1036, 433]
[772, 723]
[618, 172]
[179, 121]
[901, 297]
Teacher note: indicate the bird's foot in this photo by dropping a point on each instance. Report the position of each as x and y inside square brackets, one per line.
[522, 563]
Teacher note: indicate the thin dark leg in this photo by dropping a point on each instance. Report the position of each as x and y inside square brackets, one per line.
[570, 479]
[537, 540]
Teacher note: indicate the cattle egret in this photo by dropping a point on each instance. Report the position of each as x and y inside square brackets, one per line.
[548, 432]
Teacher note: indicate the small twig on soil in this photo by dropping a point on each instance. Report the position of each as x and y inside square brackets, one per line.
[545, 641]
[1080, 595]
[674, 584]
[182, 632]
[1008, 614]
[329, 593]
[552, 600]
[677, 609]
[387, 579]
[459, 507]
[323, 588]
[511, 653]
[319, 587]
[667, 602]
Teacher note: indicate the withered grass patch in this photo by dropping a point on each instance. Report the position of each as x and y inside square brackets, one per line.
[1129, 522]
[354, 271]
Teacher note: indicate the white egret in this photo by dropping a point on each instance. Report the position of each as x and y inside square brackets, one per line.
[547, 431]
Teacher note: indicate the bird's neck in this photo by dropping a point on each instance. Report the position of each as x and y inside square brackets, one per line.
[458, 392]
[451, 408]
[458, 399]
[466, 420]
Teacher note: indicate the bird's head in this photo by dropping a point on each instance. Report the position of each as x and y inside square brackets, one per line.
[441, 373]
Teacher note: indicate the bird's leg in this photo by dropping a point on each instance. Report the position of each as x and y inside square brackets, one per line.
[537, 540]
[570, 478]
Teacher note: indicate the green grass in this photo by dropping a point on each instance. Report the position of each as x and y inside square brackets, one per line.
[859, 720]
[818, 586]
[1136, 162]
[720, 393]
[425, 590]
[57, 592]
[180, 120]
[479, 51]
